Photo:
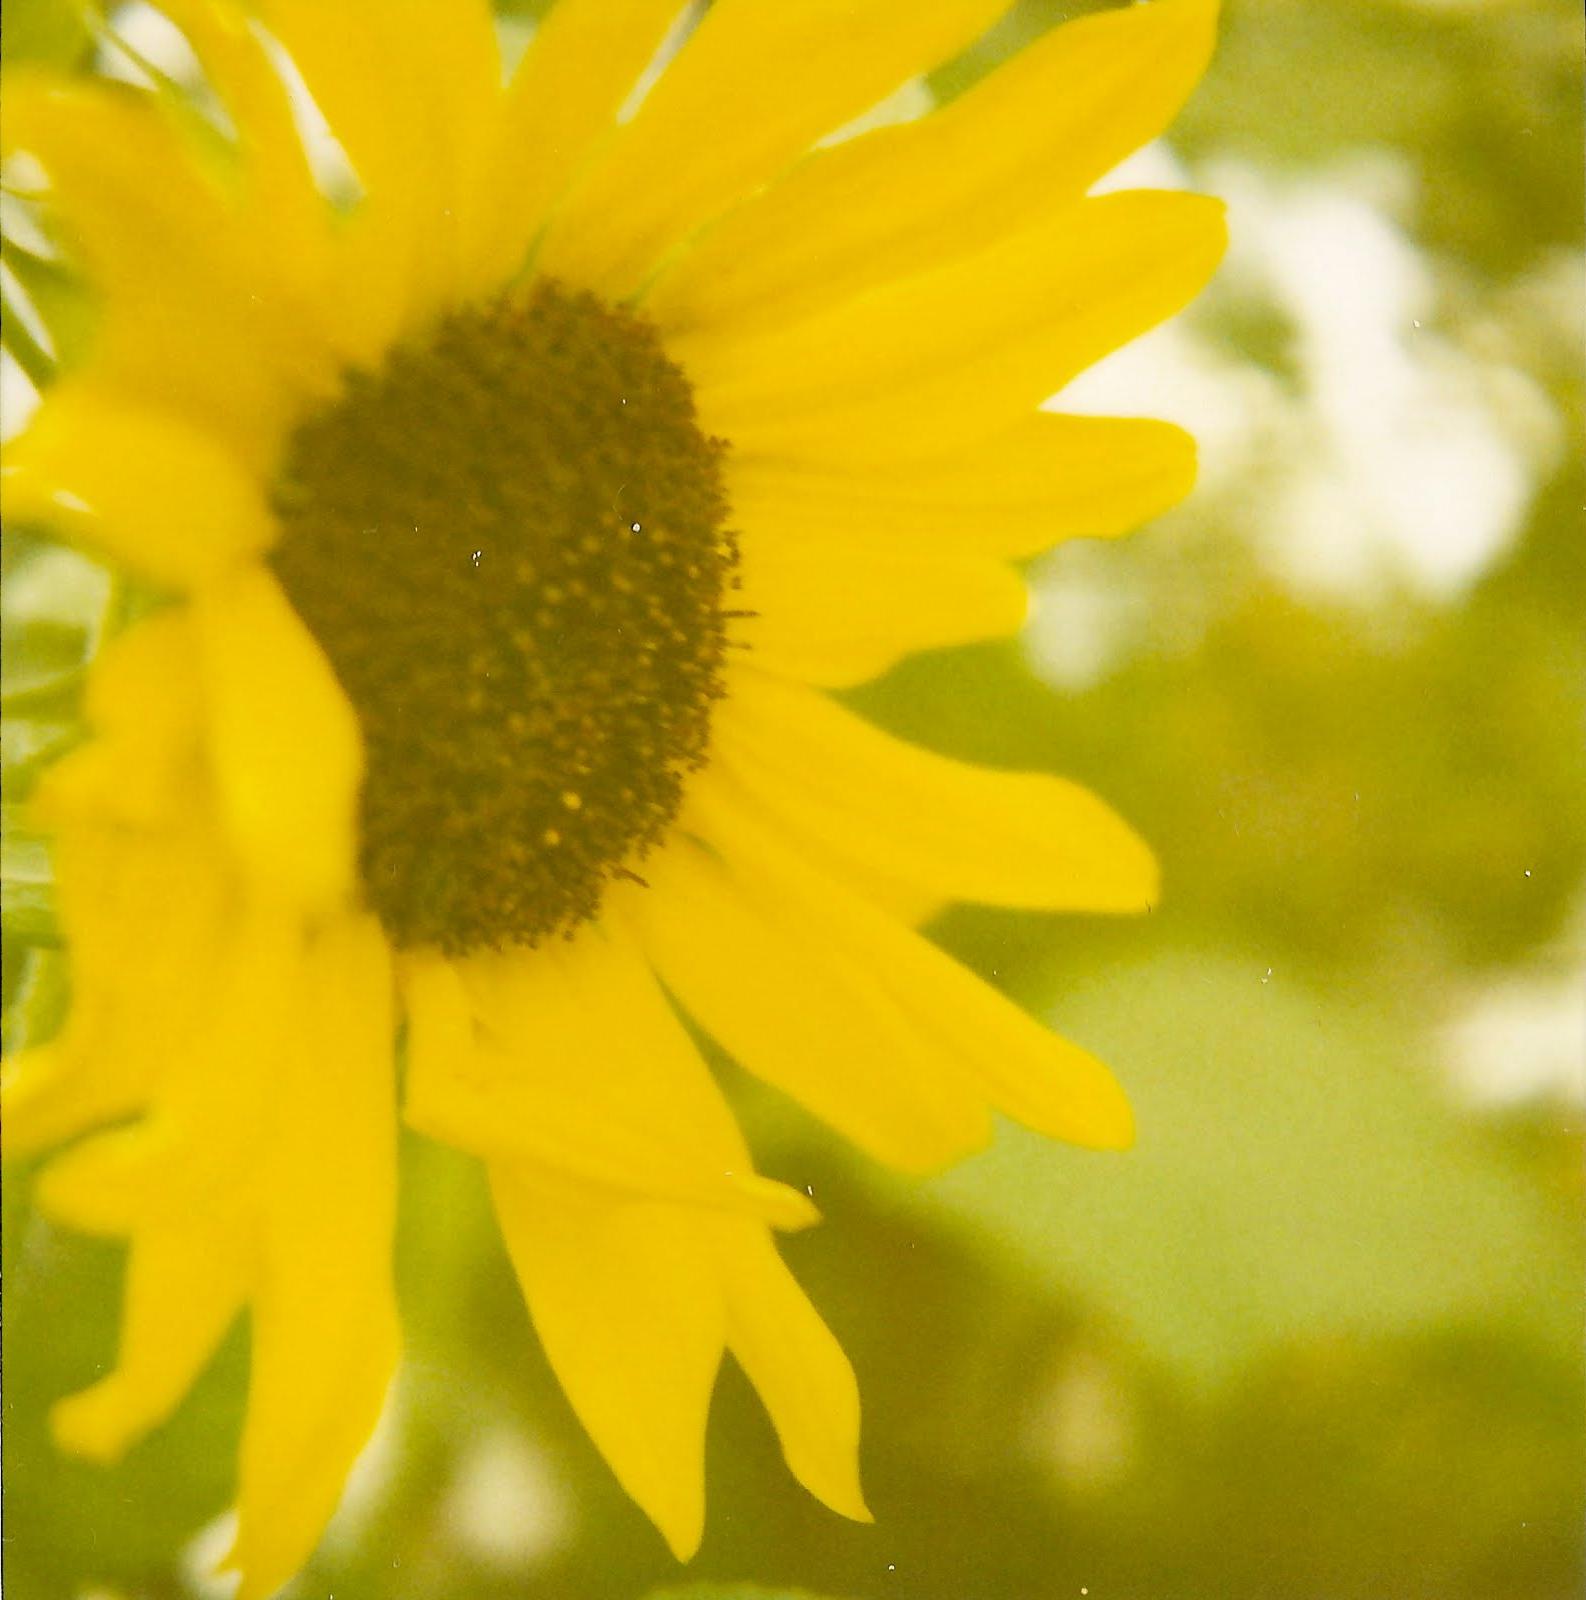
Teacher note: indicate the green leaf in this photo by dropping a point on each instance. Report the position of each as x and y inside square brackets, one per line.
[1299, 1175]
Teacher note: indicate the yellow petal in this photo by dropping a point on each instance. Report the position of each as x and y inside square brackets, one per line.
[47, 1095]
[629, 1309]
[1003, 1054]
[1049, 478]
[561, 104]
[213, 1090]
[181, 1183]
[288, 756]
[965, 351]
[185, 1285]
[837, 614]
[192, 319]
[142, 770]
[143, 683]
[163, 896]
[572, 1059]
[265, 1171]
[325, 1336]
[1025, 139]
[409, 88]
[959, 831]
[280, 183]
[148, 490]
[796, 1365]
[752, 89]
[778, 996]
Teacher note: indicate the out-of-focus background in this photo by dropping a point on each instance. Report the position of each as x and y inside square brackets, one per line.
[1320, 1334]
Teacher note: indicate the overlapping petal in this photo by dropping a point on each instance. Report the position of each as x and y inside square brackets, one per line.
[752, 89]
[795, 1365]
[1047, 478]
[277, 179]
[572, 1060]
[981, 1042]
[558, 112]
[629, 1311]
[420, 166]
[137, 866]
[159, 495]
[636, 1227]
[795, 1010]
[1033, 134]
[958, 831]
[835, 613]
[325, 1336]
[963, 352]
[263, 1175]
[286, 749]
[192, 317]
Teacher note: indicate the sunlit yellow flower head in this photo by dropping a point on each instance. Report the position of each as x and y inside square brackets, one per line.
[519, 486]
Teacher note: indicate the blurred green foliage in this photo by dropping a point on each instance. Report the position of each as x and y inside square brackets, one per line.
[1317, 1337]
[51, 31]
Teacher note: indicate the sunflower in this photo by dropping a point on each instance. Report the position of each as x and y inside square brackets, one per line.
[517, 467]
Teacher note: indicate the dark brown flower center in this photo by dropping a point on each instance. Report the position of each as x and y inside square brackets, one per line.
[511, 543]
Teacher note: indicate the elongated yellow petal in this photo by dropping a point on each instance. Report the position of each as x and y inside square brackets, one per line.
[963, 352]
[150, 491]
[50, 1092]
[325, 1337]
[409, 88]
[753, 88]
[1049, 478]
[279, 182]
[837, 614]
[628, 1307]
[287, 752]
[776, 994]
[573, 1060]
[180, 1184]
[134, 871]
[143, 684]
[211, 1106]
[185, 1285]
[999, 158]
[561, 105]
[1004, 1054]
[959, 831]
[143, 768]
[796, 1365]
[192, 317]
[265, 1173]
